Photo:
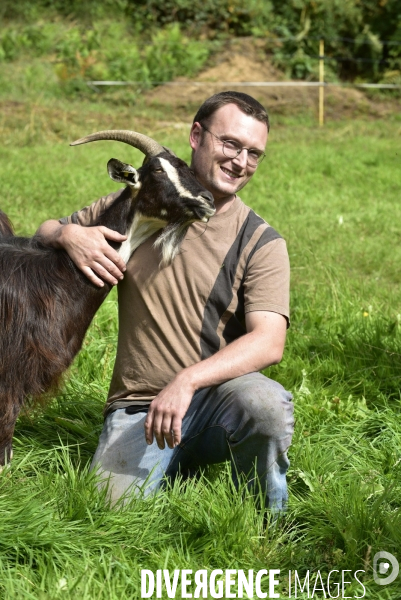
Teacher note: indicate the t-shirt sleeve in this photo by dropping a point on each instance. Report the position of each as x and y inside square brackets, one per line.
[88, 215]
[267, 280]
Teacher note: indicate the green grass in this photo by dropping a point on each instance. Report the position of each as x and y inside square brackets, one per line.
[334, 195]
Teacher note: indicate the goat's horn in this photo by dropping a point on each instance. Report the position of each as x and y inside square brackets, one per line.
[144, 143]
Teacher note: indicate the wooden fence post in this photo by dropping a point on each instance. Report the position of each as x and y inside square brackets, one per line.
[321, 81]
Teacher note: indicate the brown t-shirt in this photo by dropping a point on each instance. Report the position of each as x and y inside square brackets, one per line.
[173, 317]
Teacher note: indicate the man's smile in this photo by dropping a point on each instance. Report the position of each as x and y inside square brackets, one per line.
[230, 173]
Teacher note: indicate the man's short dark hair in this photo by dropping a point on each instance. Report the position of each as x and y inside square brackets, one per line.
[245, 103]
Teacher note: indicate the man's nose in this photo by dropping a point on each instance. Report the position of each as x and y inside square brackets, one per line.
[242, 158]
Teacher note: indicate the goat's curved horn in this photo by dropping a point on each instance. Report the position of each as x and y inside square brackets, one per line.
[144, 143]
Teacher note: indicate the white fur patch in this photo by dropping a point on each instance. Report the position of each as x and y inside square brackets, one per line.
[141, 229]
[175, 179]
[169, 241]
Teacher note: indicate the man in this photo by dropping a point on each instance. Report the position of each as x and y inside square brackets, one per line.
[193, 336]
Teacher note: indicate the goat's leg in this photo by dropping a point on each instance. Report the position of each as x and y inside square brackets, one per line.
[7, 425]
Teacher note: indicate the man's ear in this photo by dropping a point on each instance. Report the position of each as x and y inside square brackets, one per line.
[123, 173]
[195, 135]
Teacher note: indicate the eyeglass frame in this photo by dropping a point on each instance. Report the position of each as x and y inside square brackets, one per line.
[261, 156]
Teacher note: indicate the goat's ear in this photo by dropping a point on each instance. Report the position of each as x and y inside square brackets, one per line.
[123, 173]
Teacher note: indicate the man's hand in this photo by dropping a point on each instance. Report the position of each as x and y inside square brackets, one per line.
[167, 411]
[88, 248]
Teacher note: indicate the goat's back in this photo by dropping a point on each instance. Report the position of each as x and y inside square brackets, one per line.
[46, 306]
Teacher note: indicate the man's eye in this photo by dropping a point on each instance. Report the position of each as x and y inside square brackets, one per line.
[254, 155]
[231, 145]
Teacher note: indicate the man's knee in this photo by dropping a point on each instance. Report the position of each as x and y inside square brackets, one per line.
[262, 405]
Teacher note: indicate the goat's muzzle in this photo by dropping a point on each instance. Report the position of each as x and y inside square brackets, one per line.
[207, 209]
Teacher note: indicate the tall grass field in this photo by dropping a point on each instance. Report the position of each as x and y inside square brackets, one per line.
[334, 194]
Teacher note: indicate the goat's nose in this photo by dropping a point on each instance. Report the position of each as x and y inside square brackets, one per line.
[208, 196]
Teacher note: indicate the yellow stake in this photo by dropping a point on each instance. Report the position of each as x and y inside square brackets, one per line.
[321, 80]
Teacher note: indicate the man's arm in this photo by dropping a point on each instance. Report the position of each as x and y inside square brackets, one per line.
[260, 347]
[88, 248]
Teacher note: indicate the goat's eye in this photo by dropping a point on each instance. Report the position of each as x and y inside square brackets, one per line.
[159, 170]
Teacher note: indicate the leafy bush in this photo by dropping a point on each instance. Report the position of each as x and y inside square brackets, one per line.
[353, 31]
[234, 17]
[111, 51]
[86, 10]
[171, 54]
[37, 39]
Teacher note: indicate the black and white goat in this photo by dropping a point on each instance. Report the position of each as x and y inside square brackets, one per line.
[47, 304]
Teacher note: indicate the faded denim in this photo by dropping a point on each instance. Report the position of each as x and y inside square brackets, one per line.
[247, 420]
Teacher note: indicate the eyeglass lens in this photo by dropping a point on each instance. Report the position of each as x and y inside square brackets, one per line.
[231, 150]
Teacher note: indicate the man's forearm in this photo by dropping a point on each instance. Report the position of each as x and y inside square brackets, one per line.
[252, 352]
[244, 355]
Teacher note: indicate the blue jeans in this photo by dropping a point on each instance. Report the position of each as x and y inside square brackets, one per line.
[247, 420]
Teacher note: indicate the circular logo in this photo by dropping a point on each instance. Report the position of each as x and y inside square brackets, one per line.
[385, 568]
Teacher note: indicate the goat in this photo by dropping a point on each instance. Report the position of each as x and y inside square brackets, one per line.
[47, 304]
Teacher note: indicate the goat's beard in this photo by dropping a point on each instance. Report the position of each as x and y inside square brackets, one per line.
[170, 240]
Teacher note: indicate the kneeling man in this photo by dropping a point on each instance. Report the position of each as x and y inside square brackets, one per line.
[186, 389]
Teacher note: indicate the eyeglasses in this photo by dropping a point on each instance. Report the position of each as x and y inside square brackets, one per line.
[232, 149]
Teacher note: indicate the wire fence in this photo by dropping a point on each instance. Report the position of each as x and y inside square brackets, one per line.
[248, 84]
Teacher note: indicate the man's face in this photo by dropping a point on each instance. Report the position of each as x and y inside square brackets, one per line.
[223, 176]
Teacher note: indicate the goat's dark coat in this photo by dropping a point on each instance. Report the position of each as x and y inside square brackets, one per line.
[46, 306]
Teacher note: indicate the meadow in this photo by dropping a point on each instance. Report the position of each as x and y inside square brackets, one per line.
[334, 195]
